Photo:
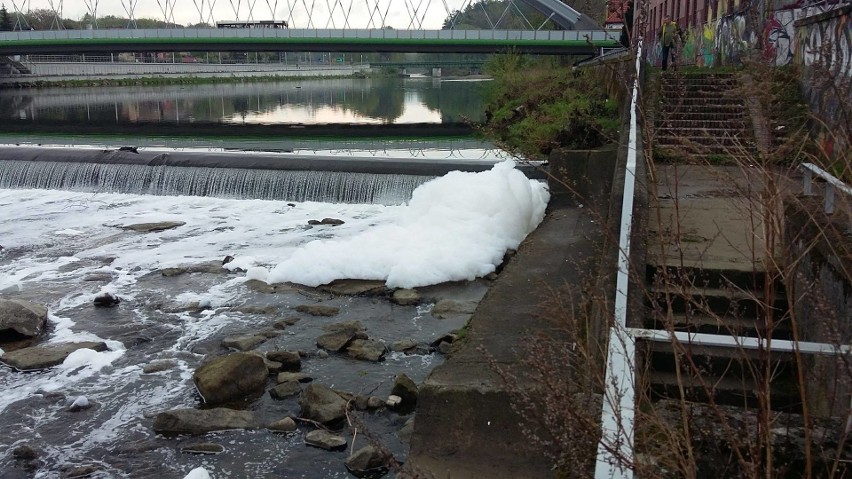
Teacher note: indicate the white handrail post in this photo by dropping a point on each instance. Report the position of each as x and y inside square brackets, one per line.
[808, 182]
[828, 201]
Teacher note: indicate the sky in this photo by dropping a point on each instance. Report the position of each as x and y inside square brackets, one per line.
[430, 13]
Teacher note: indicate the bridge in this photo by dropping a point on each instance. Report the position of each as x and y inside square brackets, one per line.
[367, 26]
[564, 42]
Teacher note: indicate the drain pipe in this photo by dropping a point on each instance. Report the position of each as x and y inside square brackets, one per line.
[615, 448]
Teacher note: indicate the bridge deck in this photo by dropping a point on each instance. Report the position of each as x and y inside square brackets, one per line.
[350, 40]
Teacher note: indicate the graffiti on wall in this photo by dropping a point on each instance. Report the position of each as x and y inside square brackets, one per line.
[725, 40]
[823, 47]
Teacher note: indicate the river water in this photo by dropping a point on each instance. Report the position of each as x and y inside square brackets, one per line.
[62, 248]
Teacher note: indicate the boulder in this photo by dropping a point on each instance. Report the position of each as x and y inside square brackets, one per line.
[257, 309]
[106, 300]
[406, 297]
[355, 287]
[231, 378]
[45, 356]
[366, 349]
[405, 388]
[153, 227]
[170, 272]
[336, 341]
[374, 402]
[332, 221]
[290, 360]
[159, 365]
[320, 403]
[447, 307]
[318, 310]
[285, 390]
[284, 425]
[260, 286]
[23, 317]
[325, 440]
[366, 459]
[403, 345]
[202, 421]
[243, 342]
[24, 452]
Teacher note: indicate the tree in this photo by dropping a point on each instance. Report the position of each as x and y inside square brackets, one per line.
[5, 20]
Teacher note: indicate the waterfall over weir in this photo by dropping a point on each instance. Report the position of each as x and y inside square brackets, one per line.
[289, 185]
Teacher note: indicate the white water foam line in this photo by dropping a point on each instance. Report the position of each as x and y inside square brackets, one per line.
[615, 448]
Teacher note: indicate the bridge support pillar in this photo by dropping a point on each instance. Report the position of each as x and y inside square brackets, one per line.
[436, 72]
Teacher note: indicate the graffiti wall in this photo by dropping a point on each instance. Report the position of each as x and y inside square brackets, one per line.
[823, 47]
[724, 40]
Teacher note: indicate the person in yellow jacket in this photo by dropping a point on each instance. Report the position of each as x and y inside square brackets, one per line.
[668, 35]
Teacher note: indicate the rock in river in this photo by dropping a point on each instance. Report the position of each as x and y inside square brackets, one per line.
[405, 388]
[290, 360]
[202, 421]
[322, 404]
[366, 349]
[152, 227]
[41, 357]
[318, 310]
[366, 459]
[285, 390]
[231, 378]
[325, 440]
[22, 317]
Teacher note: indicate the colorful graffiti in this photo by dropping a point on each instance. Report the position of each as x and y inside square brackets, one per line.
[823, 48]
[724, 40]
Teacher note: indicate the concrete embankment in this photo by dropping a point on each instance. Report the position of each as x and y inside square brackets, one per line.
[466, 424]
[75, 71]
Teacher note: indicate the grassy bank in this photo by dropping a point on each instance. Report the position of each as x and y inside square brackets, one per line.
[536, 105]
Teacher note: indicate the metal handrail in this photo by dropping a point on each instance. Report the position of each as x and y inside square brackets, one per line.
[832, 184]
[615, 448]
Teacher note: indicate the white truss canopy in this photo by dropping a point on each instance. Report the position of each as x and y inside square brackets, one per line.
[307, 14]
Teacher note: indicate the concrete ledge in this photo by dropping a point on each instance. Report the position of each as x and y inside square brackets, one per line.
[466, 425]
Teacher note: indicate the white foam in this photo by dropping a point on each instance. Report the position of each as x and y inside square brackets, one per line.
[198, 473]
[457, 227]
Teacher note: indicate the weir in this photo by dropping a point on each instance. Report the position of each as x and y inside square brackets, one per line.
[229, 175]
[325, 186]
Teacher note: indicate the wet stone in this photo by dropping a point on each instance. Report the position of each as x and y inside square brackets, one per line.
[318, 310]
[406, 297]
[210, 448]
[336, 341]
[159, 365]
[355, 287]
[285, 390]
[403, 345]
[153, 227]
[366, 350]
[446, 308]
[243, 343]
[289, 360]
[41, 357]
[284, 425]
[325, 440]
[79, 472]
[24, 452]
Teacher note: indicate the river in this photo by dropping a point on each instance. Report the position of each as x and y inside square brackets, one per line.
[62, 248]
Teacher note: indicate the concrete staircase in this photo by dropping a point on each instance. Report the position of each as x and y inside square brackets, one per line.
[718, 302]
[706, 274]
[702, 117]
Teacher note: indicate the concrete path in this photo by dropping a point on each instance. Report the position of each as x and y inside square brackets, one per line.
[710, 217]
[465, 424]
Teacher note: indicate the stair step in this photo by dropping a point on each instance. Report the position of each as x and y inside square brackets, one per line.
[735, 326]
[703, 124]
[698, 130]
[719, 301]
[723, 391]
[706, 278]
[725, 141]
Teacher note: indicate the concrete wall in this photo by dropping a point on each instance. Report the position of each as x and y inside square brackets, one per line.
[59, 71]
[822, 289]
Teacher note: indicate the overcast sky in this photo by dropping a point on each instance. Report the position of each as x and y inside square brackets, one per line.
[432, 12]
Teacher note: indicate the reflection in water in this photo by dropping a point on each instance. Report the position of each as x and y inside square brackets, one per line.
[380, 101]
